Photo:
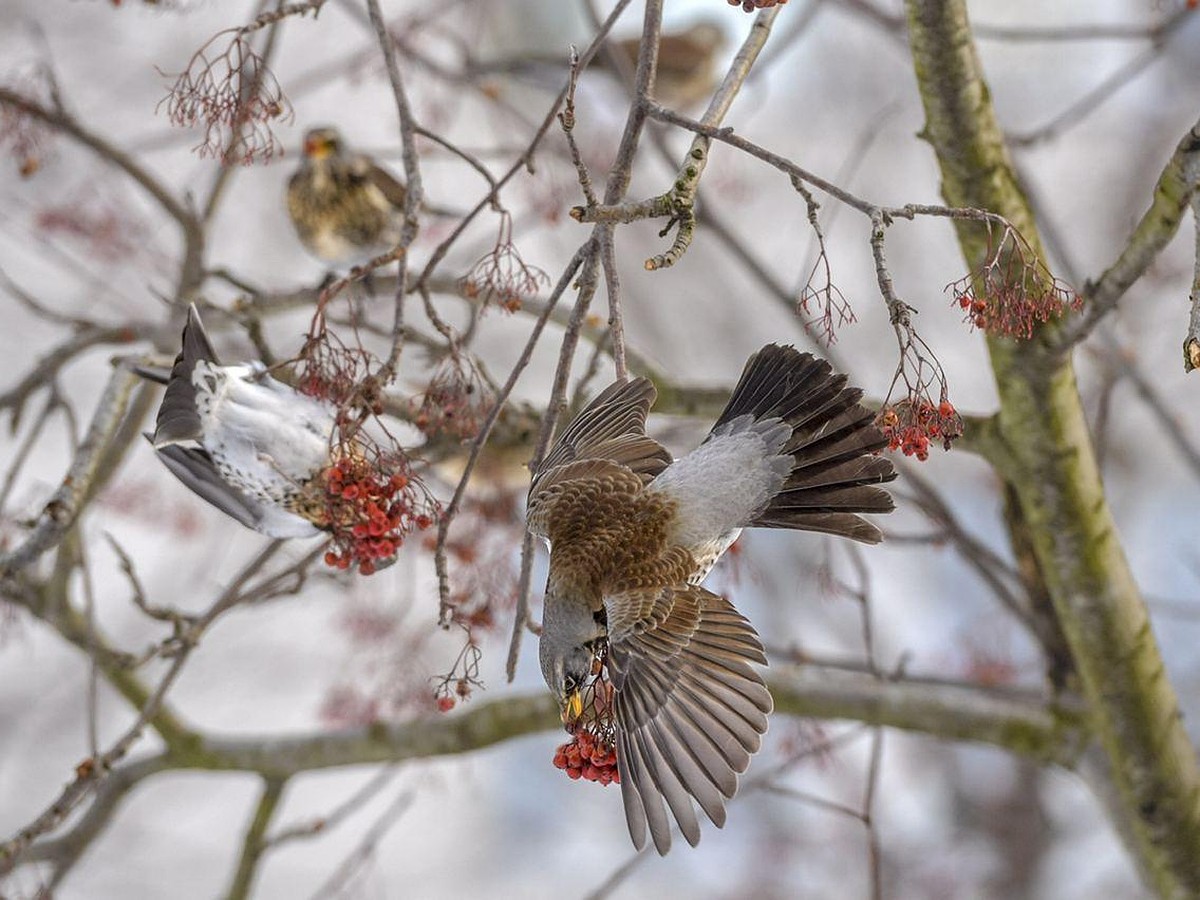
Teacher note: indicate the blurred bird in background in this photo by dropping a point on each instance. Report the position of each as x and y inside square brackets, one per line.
[345, 208]
[633, 533]
[687, 62]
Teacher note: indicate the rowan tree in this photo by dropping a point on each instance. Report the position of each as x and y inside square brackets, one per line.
[975, 216]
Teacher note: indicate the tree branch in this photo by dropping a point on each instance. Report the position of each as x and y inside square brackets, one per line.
[1175, 188]
[60, 512]
[253, 844]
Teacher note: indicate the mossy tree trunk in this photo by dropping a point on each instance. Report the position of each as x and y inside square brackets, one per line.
[1133, 709]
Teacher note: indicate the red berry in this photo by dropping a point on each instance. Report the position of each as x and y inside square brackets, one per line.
[446, 703]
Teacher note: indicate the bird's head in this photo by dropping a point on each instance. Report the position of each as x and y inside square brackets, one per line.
[566, 675]
[567, 651]
[322, 143]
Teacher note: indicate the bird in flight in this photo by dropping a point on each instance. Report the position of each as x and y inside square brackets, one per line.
[632, 535]
[247, 443]
[346, 209]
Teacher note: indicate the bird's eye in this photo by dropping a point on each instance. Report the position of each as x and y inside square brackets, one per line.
[570, 684]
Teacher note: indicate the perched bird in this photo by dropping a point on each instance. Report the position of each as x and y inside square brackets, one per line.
[248, 444]
[346, 209]
[633, 533]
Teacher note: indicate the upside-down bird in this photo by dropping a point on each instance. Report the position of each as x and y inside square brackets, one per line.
[250, 445]
[345, 207]
[633, 533]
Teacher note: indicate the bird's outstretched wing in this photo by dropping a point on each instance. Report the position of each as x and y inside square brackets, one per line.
[606, 440]
[178, 418]
[195, 468]
[690, 710]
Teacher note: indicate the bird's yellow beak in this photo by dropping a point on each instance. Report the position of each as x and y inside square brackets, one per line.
[573, 708]
[316, 147]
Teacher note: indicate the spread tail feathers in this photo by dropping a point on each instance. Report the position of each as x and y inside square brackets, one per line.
[834, 475]
[178, 419]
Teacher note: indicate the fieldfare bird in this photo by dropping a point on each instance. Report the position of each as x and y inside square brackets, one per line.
[250, 445]
[346, 209]
[687, 70]
[633, 533]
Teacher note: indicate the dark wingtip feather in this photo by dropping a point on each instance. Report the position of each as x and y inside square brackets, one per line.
[177, 417]
[195, 468]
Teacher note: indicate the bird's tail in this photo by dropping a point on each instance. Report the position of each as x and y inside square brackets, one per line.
[834, 474]
[178, 418]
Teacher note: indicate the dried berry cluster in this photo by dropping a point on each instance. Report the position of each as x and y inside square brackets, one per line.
[913, 423]
[826, 309]
[752, 5]
[1012, 291]
[372, 507]
[339, 375]
[463, 677]
[589, 757]
[22, 136]
[109, 231]
[502, 276]
[455, 402]
[235, 97]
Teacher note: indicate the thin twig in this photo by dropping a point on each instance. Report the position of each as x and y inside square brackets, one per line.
[445, 605]
[414, 190]
[65, 505]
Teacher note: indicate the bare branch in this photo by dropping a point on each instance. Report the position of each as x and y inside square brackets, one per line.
[60, 512]
[253, 843]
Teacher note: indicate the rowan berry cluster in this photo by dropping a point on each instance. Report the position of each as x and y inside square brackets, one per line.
[1012, 310]
[1012, 290]
[448, 696]
[913, 423]
[591, 754]
[589, 757]
[371, 512]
